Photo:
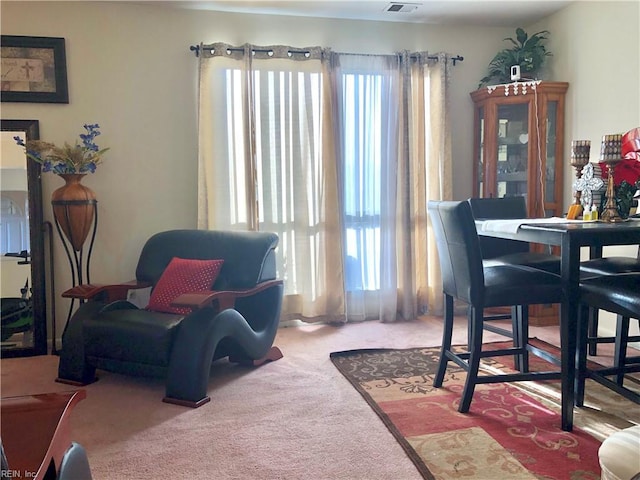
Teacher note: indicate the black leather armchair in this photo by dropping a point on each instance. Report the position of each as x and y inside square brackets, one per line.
[237, 318]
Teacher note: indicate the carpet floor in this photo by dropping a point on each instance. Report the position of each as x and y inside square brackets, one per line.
[512, 430]
[294, 419]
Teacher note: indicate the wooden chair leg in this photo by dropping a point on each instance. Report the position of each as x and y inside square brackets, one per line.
[469, 313]
[517, 334]
[592, 333]
[620, 352]
[522, 313]
[581, 354]
[477, 317]
[446, 341]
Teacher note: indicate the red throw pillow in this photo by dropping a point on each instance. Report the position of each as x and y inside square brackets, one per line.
[182, 276]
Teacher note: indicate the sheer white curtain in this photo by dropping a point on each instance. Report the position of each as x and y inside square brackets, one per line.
[394, 156]
[368, 91]
[338, 154]
[267, 162]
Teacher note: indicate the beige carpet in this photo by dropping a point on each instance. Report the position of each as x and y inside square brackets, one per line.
[297, 418]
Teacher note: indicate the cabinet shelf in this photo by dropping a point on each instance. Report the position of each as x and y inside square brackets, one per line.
[510, 141]
[512, 177]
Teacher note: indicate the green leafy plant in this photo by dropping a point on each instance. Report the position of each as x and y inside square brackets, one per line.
[527, 51]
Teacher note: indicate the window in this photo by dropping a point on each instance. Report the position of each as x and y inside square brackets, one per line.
[331, 152]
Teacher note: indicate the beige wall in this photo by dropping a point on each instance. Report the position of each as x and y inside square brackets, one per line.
[596, 49]
[131, 71]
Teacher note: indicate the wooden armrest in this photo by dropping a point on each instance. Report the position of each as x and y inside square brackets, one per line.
[196, 300]
[36, 431]
[112, 292]
[225, 298]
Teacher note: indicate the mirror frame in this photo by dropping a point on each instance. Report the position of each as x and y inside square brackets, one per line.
[31, 129]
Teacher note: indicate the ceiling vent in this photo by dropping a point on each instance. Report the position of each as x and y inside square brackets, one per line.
[401, 7]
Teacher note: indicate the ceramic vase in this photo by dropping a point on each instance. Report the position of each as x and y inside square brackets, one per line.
[74, 207]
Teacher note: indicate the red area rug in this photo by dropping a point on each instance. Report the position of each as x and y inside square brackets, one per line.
[512, 431]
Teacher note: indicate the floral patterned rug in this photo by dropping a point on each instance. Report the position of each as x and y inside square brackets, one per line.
[512, 430]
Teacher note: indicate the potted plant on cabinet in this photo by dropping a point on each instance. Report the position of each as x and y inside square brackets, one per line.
[529, 52]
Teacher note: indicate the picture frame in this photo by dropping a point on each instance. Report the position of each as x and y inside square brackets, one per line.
[34, 69]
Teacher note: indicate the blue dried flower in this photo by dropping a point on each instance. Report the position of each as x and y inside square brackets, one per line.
[78, 158]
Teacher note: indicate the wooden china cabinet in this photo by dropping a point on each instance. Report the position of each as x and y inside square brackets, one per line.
[518, 150]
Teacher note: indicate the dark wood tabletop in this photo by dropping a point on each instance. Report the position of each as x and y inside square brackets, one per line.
[571, 237]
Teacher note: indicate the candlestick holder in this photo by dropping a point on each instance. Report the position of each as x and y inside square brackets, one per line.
[580, 150]
[610, 154]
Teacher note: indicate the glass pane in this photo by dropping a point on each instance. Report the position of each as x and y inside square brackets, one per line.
[552, 109]
[480, 159]
[513, 144]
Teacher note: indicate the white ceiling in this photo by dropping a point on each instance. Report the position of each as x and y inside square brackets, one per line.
[503, 13]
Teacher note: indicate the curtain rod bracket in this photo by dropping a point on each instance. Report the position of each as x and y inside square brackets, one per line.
[195, 49]
[457, 58]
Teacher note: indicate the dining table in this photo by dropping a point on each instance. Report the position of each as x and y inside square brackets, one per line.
[571, 236]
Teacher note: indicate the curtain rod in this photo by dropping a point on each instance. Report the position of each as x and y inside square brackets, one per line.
[457, 58]
[196, 50]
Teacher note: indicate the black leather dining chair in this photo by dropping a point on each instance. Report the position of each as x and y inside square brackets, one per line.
[509, 252]
[465, 278]
[605, 266]
[619, 294]
[499, 251]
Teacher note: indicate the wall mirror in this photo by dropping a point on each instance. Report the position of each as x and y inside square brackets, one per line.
[22, 285]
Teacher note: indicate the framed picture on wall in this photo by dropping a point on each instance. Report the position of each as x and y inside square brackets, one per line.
[34, 69]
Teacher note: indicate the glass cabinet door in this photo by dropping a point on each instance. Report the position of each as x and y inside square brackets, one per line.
[518, 147]
[512, 152]
[480, 152]
[550, 180]
[518, 144]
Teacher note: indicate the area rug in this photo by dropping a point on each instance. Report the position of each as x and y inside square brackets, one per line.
[512, 430]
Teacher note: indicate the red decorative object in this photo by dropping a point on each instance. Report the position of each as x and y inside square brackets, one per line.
[631, 144]
[74, 208]
[629, 168]
[183, 276]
